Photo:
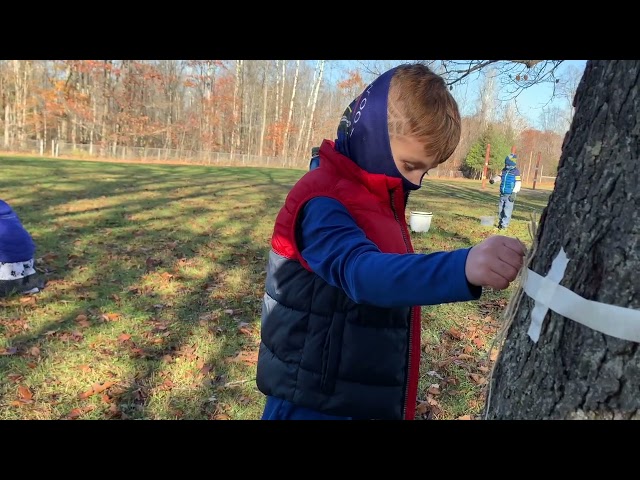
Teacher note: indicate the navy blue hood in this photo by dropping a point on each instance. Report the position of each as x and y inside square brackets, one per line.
[363, 133]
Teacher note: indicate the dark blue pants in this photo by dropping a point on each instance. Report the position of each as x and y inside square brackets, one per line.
[276, 409]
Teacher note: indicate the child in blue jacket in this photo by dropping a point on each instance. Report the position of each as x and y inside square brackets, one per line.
[17, 273]
[510, 184]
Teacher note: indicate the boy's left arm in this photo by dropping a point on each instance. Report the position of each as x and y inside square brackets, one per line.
[517, 186]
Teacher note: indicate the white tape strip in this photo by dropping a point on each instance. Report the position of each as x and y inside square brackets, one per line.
[611, 320]
[542, 293]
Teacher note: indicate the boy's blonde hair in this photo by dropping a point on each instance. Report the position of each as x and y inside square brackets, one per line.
[420, 105]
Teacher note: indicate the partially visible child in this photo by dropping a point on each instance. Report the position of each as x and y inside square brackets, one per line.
[17, 272]
[340, 336]
[510, 184]
[315, 158]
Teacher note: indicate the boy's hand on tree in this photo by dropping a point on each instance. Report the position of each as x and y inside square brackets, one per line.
[495, 262]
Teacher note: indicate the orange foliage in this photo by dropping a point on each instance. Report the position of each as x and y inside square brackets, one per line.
[353, 81]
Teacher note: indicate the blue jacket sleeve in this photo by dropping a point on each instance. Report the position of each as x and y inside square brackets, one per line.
[340, 253]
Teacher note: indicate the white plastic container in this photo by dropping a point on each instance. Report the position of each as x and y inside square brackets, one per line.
[487, 221]
[420, 221]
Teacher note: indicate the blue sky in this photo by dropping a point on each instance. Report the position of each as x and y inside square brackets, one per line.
[530, 102]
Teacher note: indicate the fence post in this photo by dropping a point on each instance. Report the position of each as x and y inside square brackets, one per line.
[535, 173]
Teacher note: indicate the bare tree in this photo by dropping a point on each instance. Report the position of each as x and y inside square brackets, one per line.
[314, 104]
[265, 92]
[236, 102]
[285, 150]
[307, 113]
[555, 119]
[488, 100]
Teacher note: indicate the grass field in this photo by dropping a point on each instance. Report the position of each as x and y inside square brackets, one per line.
[155, 276]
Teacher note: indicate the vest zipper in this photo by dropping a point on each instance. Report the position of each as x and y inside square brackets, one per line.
[406, 244]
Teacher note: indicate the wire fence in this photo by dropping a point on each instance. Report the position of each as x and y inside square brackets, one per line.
[58, 149]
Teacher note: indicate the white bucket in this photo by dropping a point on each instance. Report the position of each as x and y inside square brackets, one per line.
[486, 221]
[420, 221]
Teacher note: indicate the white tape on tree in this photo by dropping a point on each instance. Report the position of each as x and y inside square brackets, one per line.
[542, 292]
[619, 322]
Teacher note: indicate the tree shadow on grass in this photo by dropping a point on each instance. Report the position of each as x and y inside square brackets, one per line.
[138, 282]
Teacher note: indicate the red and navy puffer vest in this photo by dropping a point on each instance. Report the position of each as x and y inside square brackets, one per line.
[319, 349]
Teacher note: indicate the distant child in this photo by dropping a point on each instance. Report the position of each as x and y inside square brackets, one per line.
[510, 184]
[315, 158]
[340, 336]
[17, 273]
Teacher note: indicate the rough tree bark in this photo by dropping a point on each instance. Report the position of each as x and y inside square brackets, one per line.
[573, 371]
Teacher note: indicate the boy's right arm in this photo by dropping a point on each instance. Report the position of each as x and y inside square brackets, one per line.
[338, 250]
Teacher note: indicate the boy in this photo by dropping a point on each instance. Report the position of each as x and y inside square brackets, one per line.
[510, 184]
[315, 158]
[340, 335]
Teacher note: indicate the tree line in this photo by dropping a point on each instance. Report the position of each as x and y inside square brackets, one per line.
[266, 108]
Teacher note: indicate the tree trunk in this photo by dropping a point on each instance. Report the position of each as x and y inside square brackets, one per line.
[285, 143]
[237, 98]
[313, 106]
[7, 123]
[573, 371]
[263, 125]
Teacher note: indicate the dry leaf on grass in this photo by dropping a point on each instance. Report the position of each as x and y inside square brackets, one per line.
[78, 412]
[247, 357]
[30, 300]
[434, 389]
[25, 394]
[96, 388]
[478, 342]
[455, 333]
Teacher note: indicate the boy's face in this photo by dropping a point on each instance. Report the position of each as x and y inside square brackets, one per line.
[409, 156]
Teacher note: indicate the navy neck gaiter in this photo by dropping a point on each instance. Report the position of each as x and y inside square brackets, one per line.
[363, 133]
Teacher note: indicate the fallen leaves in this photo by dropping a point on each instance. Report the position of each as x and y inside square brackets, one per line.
[78, 412]
[84, 323]
[478, 379]
[455, 333]
[110, 317]
[48, 257]
[25, 395]
[434, 389]
[248, 357]
[95, 389]
[429, 408]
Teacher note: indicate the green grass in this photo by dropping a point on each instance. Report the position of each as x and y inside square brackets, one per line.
[155, 276]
